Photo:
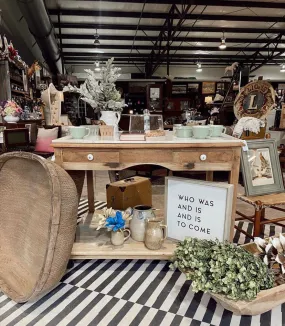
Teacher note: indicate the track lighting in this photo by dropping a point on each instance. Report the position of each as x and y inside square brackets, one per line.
[97, 44]
[97, 66]
[223, 45]
[199, 67]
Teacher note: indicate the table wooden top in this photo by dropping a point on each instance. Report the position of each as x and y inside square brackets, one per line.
[168, 142]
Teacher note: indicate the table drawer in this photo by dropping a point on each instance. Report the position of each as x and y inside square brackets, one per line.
[207, 156]
[85, 156]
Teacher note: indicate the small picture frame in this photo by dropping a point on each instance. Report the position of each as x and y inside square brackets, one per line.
[261, 168]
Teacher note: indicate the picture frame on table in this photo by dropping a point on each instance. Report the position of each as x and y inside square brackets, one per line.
[261, 168]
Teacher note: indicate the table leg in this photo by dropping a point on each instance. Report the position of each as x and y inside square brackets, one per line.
[233, 179]
[90, 191]
[209, 175]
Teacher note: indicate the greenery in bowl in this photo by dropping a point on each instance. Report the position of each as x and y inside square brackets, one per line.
[222, 268]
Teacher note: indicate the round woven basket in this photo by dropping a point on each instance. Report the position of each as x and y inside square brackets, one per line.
[38, 214]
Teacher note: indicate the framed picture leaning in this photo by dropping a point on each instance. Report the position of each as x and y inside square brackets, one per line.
[261, 168]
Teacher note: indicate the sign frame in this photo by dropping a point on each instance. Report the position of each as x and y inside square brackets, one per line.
[229, 188]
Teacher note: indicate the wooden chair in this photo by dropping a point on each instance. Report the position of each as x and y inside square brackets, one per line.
[260, 203]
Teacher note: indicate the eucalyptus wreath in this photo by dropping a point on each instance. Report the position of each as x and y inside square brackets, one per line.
[222, 268]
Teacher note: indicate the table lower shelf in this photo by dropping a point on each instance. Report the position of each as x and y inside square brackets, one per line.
[92, 244]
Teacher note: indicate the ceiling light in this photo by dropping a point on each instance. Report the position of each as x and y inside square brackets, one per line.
[199, 67]
[97, 66]
[97, 43]
[223, 45]
[282, 68]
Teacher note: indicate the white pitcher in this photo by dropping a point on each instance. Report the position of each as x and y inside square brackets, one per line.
[141, 213]
[111, 118]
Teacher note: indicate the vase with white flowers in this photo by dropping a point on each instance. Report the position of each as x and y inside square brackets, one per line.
[115, 221]
[101, 93]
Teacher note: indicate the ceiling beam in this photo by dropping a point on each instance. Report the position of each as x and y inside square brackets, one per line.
[174, 59]
[161, 15]
[128, 27]
[154, 38]
[173, 48]
[145, 55]
[272, 52]
[216, 3]
[142, 64]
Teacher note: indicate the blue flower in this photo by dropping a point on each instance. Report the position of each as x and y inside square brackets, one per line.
[115, 223]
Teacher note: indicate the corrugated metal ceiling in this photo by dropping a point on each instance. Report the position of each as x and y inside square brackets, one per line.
[128, 30]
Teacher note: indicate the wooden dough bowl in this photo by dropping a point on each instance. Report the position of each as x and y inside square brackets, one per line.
[265, 300]
[38, 214]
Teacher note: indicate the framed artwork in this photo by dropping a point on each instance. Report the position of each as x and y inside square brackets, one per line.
[154, 93]
[261, 168]
[179, 89]
[208, 88]
[193, 88]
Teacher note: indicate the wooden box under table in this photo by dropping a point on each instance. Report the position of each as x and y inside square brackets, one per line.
[129, 193]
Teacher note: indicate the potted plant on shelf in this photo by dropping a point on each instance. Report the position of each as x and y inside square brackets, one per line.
[101, 93]
[10, 111]
[236, 277]
[115, 221]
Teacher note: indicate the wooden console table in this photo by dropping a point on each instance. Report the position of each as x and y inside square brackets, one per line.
[216, 154]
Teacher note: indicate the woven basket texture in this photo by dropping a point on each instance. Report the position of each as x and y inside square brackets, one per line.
[38, 214]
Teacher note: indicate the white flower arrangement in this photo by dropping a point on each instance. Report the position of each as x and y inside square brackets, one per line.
[100, 93]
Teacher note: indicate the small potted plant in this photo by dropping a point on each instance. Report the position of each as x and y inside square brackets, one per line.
[115, 222]
[101, 93]
[11, 111]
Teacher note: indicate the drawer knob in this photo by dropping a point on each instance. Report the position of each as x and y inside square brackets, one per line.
[90, 157]
[203, 157]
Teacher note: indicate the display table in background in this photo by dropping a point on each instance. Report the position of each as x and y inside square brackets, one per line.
[215, 154]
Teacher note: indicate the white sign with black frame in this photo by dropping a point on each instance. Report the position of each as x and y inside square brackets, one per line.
[198, 209]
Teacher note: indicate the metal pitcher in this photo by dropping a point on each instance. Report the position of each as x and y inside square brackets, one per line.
[141, 213]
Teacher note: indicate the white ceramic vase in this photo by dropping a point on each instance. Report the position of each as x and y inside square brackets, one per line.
[10, 118]
[118, 237]
[111, 118]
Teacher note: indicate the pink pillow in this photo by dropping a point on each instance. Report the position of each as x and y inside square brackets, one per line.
[45, 138]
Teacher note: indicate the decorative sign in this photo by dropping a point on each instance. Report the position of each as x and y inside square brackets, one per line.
[255, 100]
[198, 209]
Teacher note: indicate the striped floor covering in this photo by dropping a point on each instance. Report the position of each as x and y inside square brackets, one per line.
[129, 292]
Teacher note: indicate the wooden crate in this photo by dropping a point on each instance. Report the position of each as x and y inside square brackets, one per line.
[248, 135]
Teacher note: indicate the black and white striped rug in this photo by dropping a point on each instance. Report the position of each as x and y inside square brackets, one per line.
[130, 293]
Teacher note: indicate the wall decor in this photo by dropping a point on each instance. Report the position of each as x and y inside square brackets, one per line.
[198, 209]
[179, 89]
[208, 87]
[154, 93]
[261, 168]
[255, 99]
[193, 88]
